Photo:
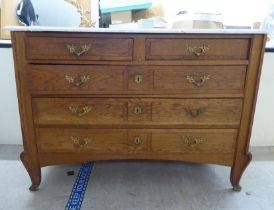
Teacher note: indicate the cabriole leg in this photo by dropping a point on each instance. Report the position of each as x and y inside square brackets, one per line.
[238, 169]
[33, 169]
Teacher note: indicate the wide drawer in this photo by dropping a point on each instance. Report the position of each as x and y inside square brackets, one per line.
[72, 78]
[79, 48]
[197, 48]
[79, 140]
[195, 145]
[94, 79]
[158, 112]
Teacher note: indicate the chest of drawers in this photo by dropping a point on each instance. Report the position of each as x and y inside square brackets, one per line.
[107, 95]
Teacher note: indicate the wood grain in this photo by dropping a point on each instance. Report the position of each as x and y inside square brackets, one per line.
[154, 142]
[154, 79]
[29, 155]
[8, 16]
[176, 119]
[52, 48]
[213, 141]
[176, 49]
[242, 155]
[53, 78]
[61, 140]
[58, 111]
[217, 112]
[221, 78]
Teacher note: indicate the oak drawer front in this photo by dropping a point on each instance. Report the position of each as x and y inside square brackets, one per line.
[180, 49]
[79, 48]
[142, 79]
[206, 112]
[100, 111]
[79, 140]
[211, 141]
[79, 111]
[200, 79]
[65, 78]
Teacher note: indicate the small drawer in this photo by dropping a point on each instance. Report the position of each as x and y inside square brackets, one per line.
[78, 111]
[139, 110]
[68, 79]
[200, 79]
[197, 112]
[200, 141]
[197, 49]
[138, 141]
[79, 140]
[79, 48]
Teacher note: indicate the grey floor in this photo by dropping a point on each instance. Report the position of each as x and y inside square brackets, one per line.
[140, 185]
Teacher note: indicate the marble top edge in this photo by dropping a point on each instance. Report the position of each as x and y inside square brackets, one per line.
[154, 30]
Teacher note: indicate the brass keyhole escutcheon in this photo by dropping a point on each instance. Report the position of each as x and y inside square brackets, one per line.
[137, 140]
[137, 110]
[138, 78]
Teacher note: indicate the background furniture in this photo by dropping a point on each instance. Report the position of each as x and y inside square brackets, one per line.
[8, 16]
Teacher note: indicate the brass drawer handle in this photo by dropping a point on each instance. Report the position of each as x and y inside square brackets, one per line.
[137, 140]
[138, 78]
[200, 82]
[198, 50]
[77, 81]
[78, 142]
[137, 110]
[78, 49]
[193, 141]
[80, 111]
[194, 112]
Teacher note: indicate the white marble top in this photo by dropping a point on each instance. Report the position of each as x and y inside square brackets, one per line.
[5, 41]
[110, 30]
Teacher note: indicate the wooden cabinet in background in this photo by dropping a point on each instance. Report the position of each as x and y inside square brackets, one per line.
[91, 96]
[8, 16]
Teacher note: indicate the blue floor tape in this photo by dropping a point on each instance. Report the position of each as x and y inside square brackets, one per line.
[76, 197]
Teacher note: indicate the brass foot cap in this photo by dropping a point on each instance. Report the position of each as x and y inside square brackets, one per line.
[237, 188]
[34, 187]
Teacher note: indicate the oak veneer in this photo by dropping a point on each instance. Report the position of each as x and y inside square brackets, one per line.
[187, 97]
[101, 48]
[176, 49]
[156, 79]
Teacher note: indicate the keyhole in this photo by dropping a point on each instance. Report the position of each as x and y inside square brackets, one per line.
[137, 110]
[137, 140]
[138, 78]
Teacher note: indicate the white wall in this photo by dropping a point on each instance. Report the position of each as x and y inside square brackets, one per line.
[263, 126]
[10, 130]
[10, 133]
